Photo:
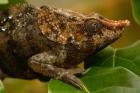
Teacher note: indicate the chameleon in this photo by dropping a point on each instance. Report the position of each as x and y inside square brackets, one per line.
[49, 42]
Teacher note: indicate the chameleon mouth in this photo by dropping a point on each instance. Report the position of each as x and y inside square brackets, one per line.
[115, 25]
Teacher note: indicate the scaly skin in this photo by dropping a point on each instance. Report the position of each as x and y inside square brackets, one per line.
[50, 42]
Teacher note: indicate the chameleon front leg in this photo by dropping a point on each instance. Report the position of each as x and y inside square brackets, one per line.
[42, 63]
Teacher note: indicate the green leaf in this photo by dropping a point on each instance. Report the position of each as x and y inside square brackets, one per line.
[56, 86]
[136, 10]
[16, 1]
[4, 4]
[3, 1]
[113, 71]
[102, 80]
[1, 88]
[128, 57]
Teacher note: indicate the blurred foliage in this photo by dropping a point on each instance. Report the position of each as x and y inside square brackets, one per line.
[1, 88]
[116, 9]
[13, 85]
[136, 10]
[5, 3]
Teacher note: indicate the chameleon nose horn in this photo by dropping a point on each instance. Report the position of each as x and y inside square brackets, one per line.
[115, 25]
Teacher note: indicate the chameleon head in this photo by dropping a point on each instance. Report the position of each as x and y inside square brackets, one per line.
[102, 31]
[85, 32]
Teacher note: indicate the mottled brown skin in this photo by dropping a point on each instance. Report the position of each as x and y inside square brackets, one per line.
[50, 42]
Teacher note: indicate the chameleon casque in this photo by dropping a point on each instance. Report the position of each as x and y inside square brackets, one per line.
[51, 42]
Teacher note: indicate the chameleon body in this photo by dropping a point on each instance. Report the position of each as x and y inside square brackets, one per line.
[51, 42]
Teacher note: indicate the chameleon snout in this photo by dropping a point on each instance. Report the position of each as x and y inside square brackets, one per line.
[115, 25]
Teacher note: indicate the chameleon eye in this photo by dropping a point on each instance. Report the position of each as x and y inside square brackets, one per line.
[93, 26]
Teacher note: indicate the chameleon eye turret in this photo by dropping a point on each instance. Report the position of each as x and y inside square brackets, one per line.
[92, 26]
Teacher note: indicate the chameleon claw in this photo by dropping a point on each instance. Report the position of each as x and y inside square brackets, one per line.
[75, 81]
